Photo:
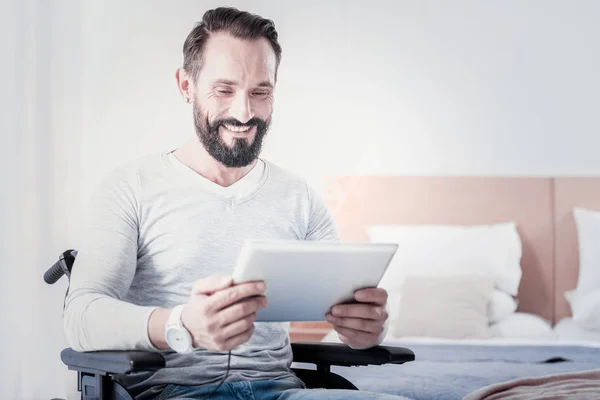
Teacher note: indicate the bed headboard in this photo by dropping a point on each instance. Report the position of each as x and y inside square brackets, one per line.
[570, 193]
[359, 201]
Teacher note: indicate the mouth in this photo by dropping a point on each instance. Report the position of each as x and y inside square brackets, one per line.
[240, 130]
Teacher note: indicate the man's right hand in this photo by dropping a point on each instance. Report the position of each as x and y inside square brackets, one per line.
[219, 315]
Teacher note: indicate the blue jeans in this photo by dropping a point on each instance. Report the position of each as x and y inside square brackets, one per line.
[281, 389]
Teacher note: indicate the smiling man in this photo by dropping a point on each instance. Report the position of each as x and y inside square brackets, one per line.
[165, 230]
[230, 82]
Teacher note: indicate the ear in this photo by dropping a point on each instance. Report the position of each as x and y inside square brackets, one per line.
[185, 85]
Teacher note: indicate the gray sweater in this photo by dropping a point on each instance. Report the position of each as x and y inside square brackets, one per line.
[155, 226]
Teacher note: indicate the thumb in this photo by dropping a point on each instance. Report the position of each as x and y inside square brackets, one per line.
[211, 284]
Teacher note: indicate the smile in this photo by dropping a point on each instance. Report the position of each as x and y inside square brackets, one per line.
[237, 128]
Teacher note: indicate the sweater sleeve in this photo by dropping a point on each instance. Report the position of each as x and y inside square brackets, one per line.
[321, 224]
[96, 317]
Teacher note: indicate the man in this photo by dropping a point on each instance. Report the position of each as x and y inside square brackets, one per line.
[164, 226]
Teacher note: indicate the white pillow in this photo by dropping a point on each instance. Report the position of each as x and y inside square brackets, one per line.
[523, 326]
[489, 250]
[588, 237]
[452, 307]
[501, 306]
[586, 309]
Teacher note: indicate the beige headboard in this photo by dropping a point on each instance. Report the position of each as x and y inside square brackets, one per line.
[364, 200]
[570, 193]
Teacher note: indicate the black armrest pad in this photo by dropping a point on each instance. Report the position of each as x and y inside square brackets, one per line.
[112, 362]
[341, 354]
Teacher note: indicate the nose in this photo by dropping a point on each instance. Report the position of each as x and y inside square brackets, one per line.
[241, 109]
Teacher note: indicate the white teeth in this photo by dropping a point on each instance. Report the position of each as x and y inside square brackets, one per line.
[237, 128]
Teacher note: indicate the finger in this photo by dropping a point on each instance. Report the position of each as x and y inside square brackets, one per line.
[236, 328]
[355, 337]
[241, 310]
[357, 324]
[211, 284]
[231, 295]
[240, 339]
[365, 311]
[372, 295]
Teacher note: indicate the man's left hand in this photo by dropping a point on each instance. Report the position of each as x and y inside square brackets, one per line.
[360, 325]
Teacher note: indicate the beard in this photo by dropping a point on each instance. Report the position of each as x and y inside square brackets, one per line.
[241, 153]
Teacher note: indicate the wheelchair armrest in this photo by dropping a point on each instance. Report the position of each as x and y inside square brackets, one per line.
[325, 354]
[112, 362]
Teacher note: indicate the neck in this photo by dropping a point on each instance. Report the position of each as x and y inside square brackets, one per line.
[195, 157]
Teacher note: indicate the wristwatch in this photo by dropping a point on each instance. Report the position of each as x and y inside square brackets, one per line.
[178, 338]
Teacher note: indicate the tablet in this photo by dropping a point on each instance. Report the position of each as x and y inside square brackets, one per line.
[305, 279]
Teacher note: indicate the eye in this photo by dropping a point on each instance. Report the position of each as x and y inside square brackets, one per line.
[261, 93]
[224, 91]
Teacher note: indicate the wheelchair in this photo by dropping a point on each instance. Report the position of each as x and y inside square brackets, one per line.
[96, 370]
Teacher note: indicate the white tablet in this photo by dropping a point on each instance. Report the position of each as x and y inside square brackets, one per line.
[306, 278]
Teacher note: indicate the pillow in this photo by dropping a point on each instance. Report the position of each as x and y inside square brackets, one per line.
[488, 250]
[523, 326]
[586, 309]
[501, 306]
[588, 236]
[452, 307]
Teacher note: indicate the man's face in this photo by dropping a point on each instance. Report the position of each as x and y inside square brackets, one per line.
[233, 98]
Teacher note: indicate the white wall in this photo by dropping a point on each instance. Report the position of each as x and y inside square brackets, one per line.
[384, 87]
[40, 200]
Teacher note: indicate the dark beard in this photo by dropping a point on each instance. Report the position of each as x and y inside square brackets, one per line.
[241, 153]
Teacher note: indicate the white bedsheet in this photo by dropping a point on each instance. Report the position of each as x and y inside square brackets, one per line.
[564, 340]
[568, 330]
[526, 329]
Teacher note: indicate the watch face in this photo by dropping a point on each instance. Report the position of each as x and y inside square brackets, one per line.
[178, 340]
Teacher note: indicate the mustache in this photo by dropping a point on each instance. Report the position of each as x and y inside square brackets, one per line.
[234, 122]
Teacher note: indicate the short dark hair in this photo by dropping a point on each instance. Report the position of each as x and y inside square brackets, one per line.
[240, 24]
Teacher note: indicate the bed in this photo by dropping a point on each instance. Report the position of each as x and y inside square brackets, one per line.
[455, 368]
[451, 369]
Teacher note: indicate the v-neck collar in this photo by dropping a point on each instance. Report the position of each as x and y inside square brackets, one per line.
[239, 190]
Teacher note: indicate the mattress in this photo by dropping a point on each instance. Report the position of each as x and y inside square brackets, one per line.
[451, 369]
